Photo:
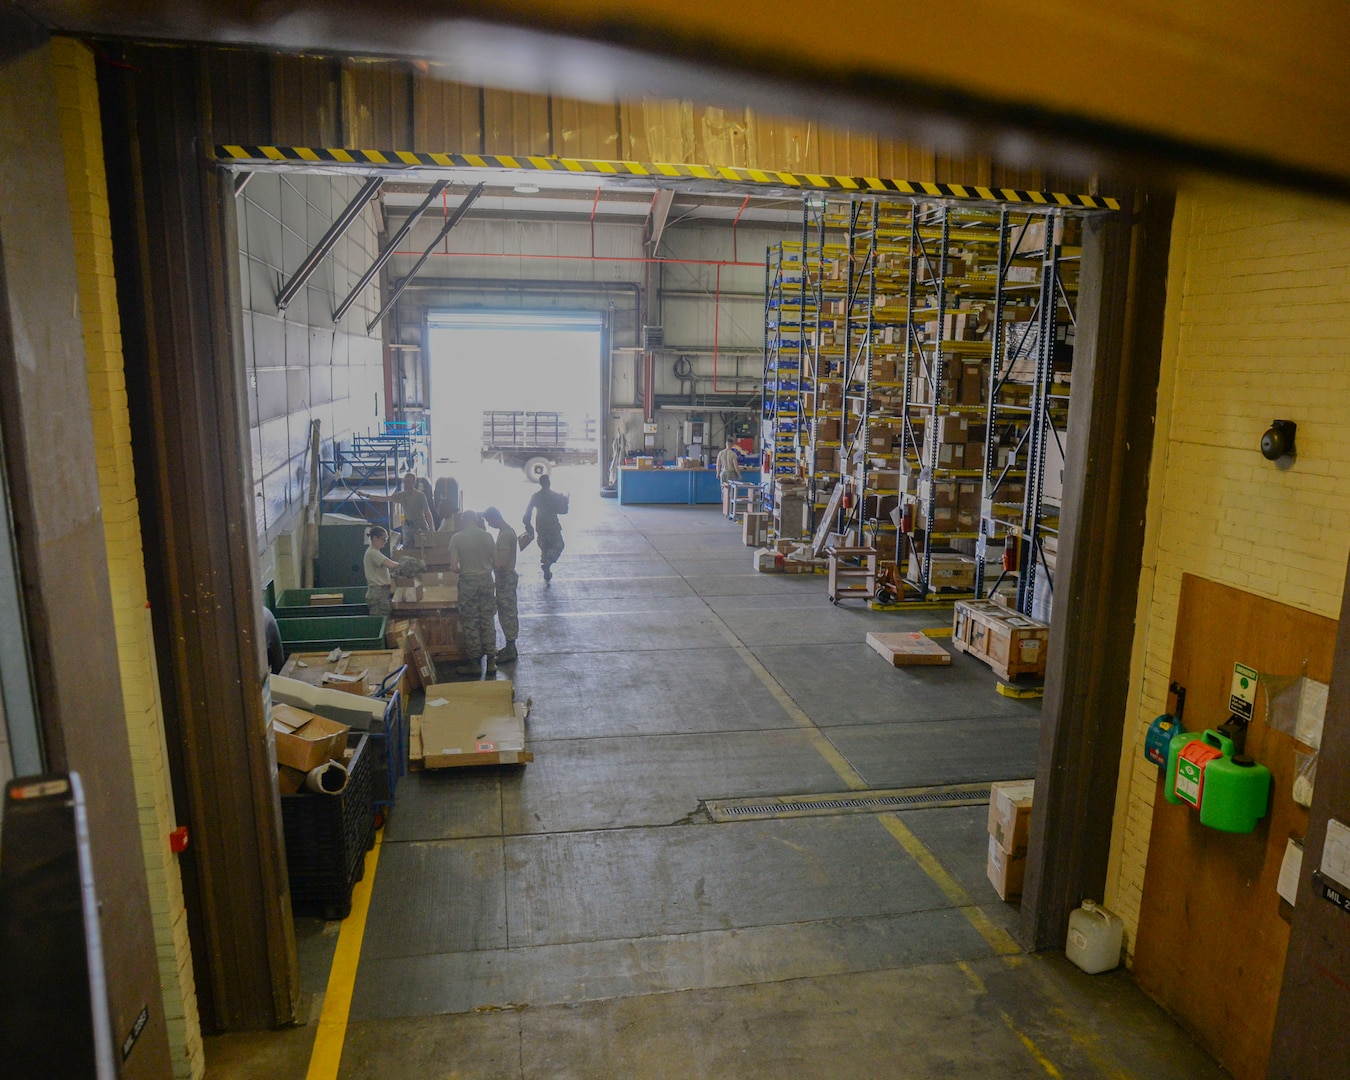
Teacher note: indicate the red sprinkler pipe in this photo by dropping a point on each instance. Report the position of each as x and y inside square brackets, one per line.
[734, 253]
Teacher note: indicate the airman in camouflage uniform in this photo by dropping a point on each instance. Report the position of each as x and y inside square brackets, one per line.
[546, 505]
[472, 552]
[507, 579]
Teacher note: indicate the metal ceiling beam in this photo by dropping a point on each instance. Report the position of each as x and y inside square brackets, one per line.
[389, 249]
[450, 223]
[656, 223]
[335, 233]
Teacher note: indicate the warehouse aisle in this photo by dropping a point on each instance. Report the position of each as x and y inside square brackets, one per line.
[583, 917]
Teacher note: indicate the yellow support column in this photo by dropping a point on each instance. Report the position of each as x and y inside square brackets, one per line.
[86, 182]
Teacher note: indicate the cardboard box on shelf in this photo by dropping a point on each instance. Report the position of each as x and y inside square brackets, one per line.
[1053, 490]
[952, 429]
[305, 741]
[1010, 814]
[968, 494]
[973, 384]
[645, 463]
[827, 428]
[948, 570]
[1006, 871]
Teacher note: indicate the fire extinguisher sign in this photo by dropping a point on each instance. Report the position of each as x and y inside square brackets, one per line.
[1242, 697]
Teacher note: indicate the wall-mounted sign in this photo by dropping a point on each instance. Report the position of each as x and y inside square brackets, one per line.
[1242, 697]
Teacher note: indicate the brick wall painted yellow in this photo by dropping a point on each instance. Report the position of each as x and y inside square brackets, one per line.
[1257, 327]
[82, 144]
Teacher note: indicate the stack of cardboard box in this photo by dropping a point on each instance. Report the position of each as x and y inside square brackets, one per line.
[1009, 827]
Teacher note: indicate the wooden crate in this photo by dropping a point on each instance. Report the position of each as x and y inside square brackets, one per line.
[442, 635]
[1008, 642]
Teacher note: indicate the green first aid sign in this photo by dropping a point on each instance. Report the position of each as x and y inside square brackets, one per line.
[1188, 781]
[1242, 696]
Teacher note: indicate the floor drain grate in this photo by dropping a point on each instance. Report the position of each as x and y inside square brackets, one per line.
[871, 802]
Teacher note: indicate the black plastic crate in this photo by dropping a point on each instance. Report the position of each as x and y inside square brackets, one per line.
[327, 837]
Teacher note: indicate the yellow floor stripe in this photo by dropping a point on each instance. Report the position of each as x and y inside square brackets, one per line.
[999, 940]
[337, 1000]
[823, 746]
[1032, 1049]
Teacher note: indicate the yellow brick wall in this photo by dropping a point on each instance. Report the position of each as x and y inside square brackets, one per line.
[82, 142]
[1257, 327]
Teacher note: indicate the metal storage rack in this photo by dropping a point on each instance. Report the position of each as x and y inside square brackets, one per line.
[1030, 413]
[788, 320]
[930, 284]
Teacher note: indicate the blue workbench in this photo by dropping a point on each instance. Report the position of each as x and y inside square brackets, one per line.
[686, 487]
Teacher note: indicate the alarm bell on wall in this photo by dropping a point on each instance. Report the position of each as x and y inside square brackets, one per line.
[1278, 441]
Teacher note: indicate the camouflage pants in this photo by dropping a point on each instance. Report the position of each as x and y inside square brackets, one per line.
[477, 607]
[506, 603]
[378, 598]
[550, 547]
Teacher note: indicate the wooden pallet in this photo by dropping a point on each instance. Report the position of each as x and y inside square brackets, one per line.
[909, 650]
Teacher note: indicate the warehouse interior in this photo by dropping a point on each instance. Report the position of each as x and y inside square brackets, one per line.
[244, 271]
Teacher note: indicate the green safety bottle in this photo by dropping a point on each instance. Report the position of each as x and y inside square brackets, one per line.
[1237, 790]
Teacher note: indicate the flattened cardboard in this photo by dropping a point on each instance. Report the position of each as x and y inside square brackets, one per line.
[473, 723]
[906, 650]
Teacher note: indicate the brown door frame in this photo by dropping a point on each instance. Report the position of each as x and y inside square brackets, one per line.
[1119, 347]
[1312, 1039]
[1117, 359]
[177, 264]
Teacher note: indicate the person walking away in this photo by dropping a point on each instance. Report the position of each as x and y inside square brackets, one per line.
[416, 510]
[728, 470]
[379, 585]
[545, 506]
[472, 552]
[506, 579]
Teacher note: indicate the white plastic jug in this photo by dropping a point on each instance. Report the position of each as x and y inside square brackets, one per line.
[1095, 936]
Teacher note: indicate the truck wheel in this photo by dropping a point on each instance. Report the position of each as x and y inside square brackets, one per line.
[537, 467]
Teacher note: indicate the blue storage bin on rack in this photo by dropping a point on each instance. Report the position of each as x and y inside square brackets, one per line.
[379, 716]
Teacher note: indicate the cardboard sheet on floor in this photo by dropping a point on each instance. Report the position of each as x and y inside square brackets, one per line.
[905, 650]
[472, 723]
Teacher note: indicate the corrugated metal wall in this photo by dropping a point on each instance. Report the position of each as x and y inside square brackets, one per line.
[313, 101]
[301, 366]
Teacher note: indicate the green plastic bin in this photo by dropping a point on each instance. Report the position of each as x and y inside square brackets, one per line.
[294, 603]
[352, 632]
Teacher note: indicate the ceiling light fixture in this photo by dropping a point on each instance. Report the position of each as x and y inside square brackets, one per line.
[526, 188]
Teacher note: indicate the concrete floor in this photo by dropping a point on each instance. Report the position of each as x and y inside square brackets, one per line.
[579, 916]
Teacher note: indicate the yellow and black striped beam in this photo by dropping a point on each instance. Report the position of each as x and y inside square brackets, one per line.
[861, 185]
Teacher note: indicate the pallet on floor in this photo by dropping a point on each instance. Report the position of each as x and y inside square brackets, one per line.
[909, 650]
[472, 723]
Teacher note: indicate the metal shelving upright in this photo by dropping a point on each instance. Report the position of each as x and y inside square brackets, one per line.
[1034, 420]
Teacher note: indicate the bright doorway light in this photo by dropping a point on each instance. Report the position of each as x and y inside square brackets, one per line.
[504, 383]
